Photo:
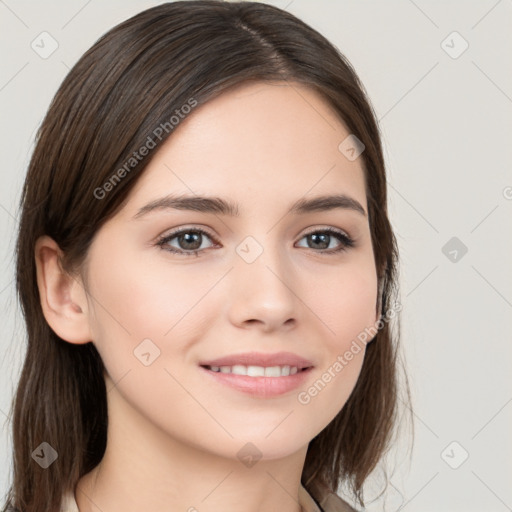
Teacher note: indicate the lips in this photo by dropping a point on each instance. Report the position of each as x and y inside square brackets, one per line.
[260, 359]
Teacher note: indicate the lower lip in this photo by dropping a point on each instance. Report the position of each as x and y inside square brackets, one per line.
[263, 387]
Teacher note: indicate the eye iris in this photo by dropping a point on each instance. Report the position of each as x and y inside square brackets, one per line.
[188, 238]
[323, 242]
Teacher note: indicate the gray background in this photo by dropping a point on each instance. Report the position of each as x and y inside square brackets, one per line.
[446, 121]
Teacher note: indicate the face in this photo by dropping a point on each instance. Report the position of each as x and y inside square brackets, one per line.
[267, 280]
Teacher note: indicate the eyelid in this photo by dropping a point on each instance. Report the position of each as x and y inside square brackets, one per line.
[327, 227]
[186, 227]
[198, 227]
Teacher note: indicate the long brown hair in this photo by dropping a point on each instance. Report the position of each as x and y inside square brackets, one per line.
[129, 83]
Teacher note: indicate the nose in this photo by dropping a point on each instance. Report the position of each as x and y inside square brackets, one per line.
[261, 292]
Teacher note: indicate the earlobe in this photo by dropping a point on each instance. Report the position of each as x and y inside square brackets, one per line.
[63, 298]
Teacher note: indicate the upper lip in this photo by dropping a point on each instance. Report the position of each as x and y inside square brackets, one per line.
[260, 359]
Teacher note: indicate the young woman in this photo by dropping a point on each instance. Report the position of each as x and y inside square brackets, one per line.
[206, 269]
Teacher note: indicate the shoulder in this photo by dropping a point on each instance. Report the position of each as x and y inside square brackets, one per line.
[329, 501]
[69, 502]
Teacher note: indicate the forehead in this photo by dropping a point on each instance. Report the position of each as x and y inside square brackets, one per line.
[256, 142]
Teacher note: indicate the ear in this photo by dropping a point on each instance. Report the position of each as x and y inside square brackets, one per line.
[378, 308]
[63, 297]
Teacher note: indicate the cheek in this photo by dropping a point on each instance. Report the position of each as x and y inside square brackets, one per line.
[133, 301]
[345, 304]
[347, 307]
[145, 319]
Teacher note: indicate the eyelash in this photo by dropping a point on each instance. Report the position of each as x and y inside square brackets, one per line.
[346, 241]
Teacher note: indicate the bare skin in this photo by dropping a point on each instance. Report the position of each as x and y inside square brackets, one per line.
[174, 432]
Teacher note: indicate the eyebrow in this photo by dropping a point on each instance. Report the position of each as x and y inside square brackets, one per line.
[222, 206]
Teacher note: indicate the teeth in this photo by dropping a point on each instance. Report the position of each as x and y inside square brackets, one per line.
[238, 369]
[256, 371]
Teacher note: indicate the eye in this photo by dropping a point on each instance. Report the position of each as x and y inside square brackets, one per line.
[188, 240]
[321, 239]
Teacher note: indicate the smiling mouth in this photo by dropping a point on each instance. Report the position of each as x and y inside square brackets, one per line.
[258, 371]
